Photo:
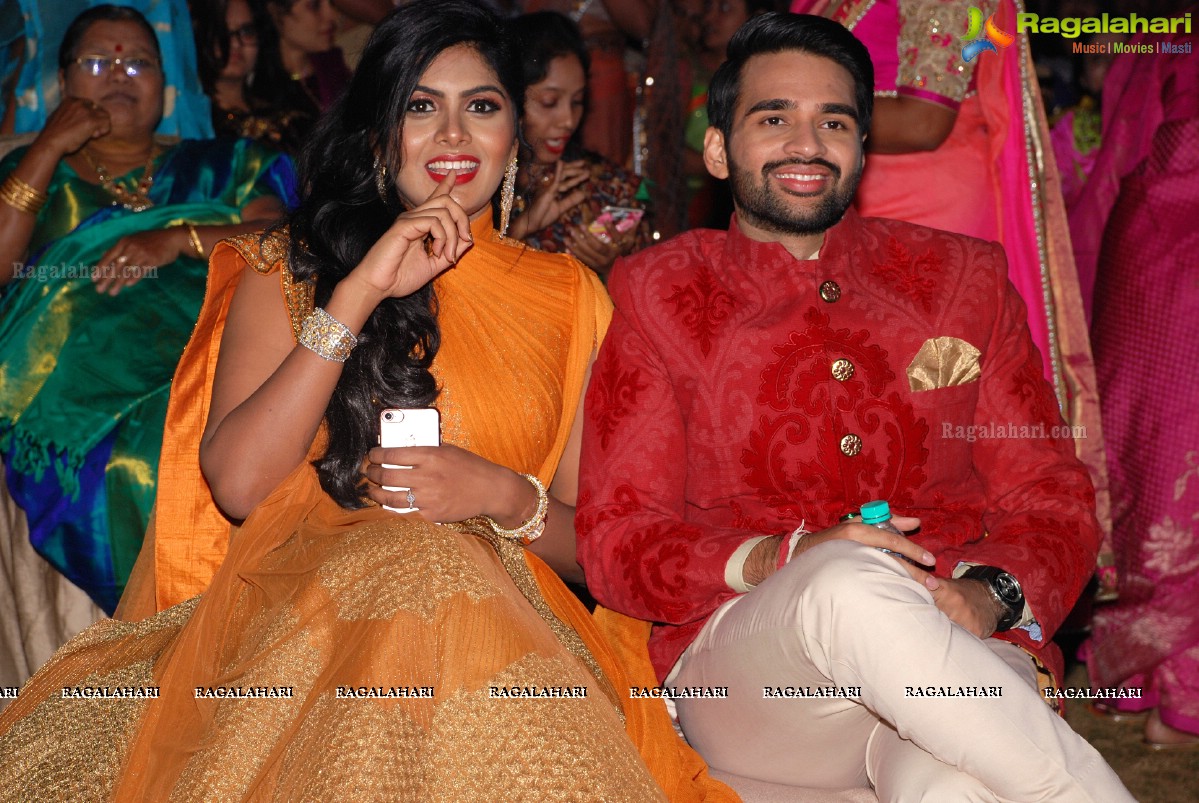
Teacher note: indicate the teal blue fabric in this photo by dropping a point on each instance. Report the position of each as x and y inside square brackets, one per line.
[84, 377]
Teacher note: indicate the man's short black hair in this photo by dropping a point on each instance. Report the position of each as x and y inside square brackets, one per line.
[778, 33]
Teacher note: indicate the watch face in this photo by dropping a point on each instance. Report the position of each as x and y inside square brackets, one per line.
[1008, 588]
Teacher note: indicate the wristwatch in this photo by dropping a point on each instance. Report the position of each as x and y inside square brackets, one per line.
[1005, 589]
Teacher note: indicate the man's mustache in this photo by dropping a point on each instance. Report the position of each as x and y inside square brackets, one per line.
[770, 167]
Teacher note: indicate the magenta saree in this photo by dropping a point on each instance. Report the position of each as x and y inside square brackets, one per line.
[1136, 228]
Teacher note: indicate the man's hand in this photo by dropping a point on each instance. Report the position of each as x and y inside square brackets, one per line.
[968, 603]
[764, 557]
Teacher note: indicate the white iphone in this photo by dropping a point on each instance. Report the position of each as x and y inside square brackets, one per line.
[414, 427]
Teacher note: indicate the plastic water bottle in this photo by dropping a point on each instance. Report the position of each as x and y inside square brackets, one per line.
[878, 514]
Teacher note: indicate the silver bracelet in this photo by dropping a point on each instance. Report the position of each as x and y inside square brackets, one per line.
[327, 337]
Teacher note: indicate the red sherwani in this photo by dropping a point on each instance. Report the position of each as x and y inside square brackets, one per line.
[741, 392]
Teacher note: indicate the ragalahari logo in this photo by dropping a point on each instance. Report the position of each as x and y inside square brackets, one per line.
[994, 36]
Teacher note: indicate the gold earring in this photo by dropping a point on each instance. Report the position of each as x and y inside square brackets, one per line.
[507, 196]
[381, 179]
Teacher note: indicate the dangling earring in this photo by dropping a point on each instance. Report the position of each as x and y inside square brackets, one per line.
[507, 195]
[381, 179]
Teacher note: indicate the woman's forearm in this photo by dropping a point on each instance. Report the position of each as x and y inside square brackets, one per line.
[515, 501]
[249, 449]
[35, 169]
[909, 125]
[556, 546]
[256, 216]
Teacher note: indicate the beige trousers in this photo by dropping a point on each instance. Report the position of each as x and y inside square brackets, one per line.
[931, 712]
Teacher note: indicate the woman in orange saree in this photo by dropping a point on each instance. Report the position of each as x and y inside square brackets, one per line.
[326, 648]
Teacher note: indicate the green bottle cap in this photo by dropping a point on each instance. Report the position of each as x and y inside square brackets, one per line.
[876, 511]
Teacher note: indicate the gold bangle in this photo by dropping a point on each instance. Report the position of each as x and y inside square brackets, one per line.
[22, 196]
[194, 236]
[532, 529]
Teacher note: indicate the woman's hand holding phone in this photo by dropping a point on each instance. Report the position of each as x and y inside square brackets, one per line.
[557, 194]
[448, 483]
[598, 252]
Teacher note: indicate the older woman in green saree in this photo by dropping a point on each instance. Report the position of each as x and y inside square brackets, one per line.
[104, 236]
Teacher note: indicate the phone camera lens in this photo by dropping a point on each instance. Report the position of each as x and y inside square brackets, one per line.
[387, 416]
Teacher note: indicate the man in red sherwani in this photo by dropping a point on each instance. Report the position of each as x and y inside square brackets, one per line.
[757, 385]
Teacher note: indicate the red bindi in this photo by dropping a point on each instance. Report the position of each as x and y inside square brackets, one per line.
[120, 48]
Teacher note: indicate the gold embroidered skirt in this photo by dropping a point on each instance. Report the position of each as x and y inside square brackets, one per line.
[395, 660]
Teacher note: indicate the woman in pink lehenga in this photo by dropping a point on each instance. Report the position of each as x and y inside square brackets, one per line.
[1137, 243]
[958, 145]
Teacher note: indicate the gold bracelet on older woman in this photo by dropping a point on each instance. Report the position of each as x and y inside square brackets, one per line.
[22, 196]
[532, 529]
[197, 244]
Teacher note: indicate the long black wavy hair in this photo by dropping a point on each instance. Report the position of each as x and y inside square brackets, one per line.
[343, 215]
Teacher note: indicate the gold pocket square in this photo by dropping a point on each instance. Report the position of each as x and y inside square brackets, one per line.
[943, 362]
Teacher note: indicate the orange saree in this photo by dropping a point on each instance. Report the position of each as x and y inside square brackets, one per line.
[321, 653]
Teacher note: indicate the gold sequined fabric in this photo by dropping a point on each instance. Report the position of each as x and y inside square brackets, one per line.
[512, 556]
[352, 623]
[266, 252]
[58, 747]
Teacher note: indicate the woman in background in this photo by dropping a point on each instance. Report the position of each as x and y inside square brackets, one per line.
[1136, 236]
[613, 33]
[35, 84]
[563, 189]
[299, 68]
[95, 209]
[227, 36]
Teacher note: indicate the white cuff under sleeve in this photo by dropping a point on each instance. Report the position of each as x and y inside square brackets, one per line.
[734, 570]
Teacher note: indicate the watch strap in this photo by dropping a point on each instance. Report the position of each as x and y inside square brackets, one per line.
[1012, 609]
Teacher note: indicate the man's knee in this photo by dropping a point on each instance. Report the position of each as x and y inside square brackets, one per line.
[844, 570]
[845, 585]
[947, 784]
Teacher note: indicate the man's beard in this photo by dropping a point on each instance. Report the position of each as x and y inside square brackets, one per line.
[767, 209]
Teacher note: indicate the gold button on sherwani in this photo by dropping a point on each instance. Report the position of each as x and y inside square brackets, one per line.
[842, 369]
[850, 445]
[830, 291]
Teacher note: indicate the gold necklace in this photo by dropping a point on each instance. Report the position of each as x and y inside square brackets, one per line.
[139, 198]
